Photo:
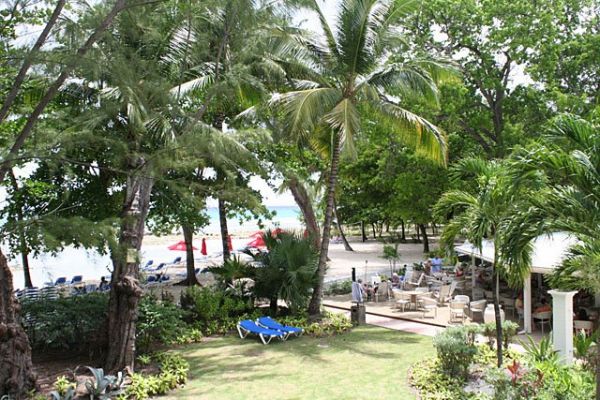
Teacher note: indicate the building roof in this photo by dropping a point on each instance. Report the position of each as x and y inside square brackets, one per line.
[548, 251]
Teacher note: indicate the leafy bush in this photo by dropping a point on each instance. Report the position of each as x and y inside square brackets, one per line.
[455, 351]
[339, 287]
[331, 324]
[542, 352]
[288, 270]
[162, 322]
[214, 311]
[430, 379]
[509, 330]
[585, 348]
[104, 386]
[173, 372]
[76, 323]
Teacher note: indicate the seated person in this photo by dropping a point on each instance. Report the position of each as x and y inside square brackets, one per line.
[427, 267]
[543, 307]
[459, 271]
[395, 280]
[436, 264]
[519, 302]
[103, 284]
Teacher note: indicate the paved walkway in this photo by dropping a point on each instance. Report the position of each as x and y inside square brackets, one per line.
[395, 324]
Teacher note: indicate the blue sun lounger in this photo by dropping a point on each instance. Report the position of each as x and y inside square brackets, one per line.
[270, 323]
[247, 326]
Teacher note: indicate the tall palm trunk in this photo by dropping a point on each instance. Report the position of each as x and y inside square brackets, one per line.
[224, 229]
[305, 204]
[16, 371]
[425, 238]
[363, 233]
[125, 290]
[347, 246]
[22, 241]
[188, 237]
[403, 231]
[497, 312]
[314, 308]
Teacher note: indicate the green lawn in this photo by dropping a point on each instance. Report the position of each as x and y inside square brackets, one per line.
[368, 363]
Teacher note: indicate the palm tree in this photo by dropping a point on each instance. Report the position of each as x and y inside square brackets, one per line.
[483, 214]
[355, 72]
[569, 202]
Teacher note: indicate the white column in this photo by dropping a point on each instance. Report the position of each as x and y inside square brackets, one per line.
[527, 304]
[562, 323]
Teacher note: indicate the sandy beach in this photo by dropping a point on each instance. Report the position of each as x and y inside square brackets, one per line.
[366, 258]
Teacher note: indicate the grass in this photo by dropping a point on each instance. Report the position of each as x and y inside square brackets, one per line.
[368, 363]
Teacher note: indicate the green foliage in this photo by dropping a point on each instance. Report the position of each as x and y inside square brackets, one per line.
[434, 383]
[232, 269]
[214, 311]
[455, 351]
[339, 287]
[104, 387]
[585, 348]
[542, 352]
[74, 323]
[330, 324]
[173, 372]
[509, 330]
[288, 270]
[64, 389]
[161, 322]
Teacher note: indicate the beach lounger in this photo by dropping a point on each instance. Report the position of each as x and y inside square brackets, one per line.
[77, 279]
[152, 279]
[148, 264]
[270, 323]
[61, 281]
[177, 260]
[164, 278]
[247, 326]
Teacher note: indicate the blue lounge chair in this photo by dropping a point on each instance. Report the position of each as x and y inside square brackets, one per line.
[76, 279]
[151, 279]
[61, 281]
[270, 323]
[247, 326]
[164, 278]
[158, 267]
[177, 260]
[149, 263]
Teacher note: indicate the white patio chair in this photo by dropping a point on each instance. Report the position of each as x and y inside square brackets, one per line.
[477, 308]
[428, 304]
[462, 298]
[418, 282]
[457, 310]
[402, 299]
[543, 318]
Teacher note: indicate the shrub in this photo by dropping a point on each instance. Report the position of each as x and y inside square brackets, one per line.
[339, 287]
[173, 372]
[76, 323]
[214, 311]
[429, 378]
[585, 348]
[331, 324]
[161, 322]
[509, 330]
[455, 351]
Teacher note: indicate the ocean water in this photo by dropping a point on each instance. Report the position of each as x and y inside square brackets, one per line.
[92, 265]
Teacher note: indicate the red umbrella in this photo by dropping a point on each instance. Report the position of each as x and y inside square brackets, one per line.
[203, 251]
[274, 232]
[256, 242]
[229, 244]
[180, 246]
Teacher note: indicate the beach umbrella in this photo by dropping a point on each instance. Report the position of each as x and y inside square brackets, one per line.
[203, 250]
[229, 243]
[256, 242]
[180, 246]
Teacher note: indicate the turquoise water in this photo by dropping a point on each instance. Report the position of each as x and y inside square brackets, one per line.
[93, 265]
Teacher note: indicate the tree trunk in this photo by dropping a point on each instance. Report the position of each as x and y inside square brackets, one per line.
[273, 305]
[374, 230]
[418, 231]
[497, 312]
[314, 308]
[305, 204]
[188, 236]
[22, 242]
[125, 290]
[53, 89]
[403, 230]
[347, 246]
[224, 230]
[423, 229]
[16, 371]
[363, 233]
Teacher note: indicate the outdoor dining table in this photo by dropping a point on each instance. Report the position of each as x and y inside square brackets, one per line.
[414, 294]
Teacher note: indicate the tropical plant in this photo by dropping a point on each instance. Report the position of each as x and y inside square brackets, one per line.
[483, 214]
[585, 347]
[361, 68]
[287, 270]
[104, 386]
[455, 351]
[570, 162]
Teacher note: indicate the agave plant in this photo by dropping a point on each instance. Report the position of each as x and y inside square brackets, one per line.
[104, 386]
